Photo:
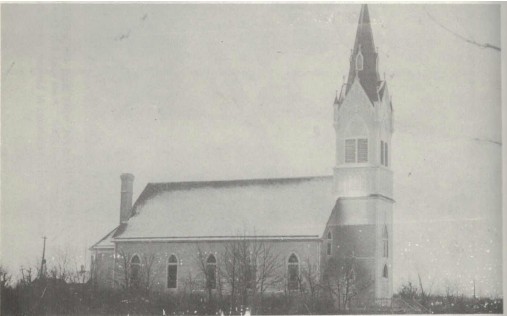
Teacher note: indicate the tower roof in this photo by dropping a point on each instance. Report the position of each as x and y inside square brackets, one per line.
[364, 45]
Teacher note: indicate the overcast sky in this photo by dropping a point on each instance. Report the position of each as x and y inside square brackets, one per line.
[196, 92]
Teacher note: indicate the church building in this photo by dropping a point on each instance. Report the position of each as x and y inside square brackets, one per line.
[339, 227]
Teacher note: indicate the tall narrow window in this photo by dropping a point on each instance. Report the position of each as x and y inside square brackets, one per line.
[382, 152]
[385, 273]
[135, 271]
[386, 158]
[352, 275]
[362, 150]
[350, 150]
[385, 241]
[329, 244]
[211, 272]
[293, 272]
[359, 61]
[251, 273]
[172, 272]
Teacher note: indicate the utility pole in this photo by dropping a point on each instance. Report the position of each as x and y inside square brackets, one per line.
[43, 261]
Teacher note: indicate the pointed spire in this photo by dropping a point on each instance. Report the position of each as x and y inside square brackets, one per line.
[364, 66]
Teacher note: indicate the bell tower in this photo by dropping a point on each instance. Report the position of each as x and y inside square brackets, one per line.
[360, 226]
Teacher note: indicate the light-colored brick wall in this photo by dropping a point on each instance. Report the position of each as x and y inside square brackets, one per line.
[308, 251]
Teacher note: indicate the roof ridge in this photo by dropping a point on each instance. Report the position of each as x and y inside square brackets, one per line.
[242, 180]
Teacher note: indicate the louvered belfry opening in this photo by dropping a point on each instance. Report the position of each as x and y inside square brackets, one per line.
[356, 150]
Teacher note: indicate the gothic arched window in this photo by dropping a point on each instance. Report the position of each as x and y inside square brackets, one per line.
[382, 153]
[251, 273]
[293, 272]
[385, 241]
[211, 272]
[359, 61]
[377, 64]
[135, 270]
[172, 272]
[329, 243]
[352, 275]
[386, 158]
[385, 273]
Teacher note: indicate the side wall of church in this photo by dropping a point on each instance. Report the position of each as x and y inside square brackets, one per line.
[189, 270]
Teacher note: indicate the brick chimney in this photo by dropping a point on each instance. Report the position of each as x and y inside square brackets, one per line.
[127, 181]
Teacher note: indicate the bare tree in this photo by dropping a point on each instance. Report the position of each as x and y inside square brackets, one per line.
[268, 265]
[64, 266]
[26, 275]
[425, 292]
[345, 282]
[251, 267]
[409, 291]
[5, 278]
[208, 271]
[246, 269]
[135, 271]
[310, 285]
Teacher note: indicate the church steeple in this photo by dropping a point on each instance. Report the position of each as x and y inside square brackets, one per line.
[363, 61]
[363, 178]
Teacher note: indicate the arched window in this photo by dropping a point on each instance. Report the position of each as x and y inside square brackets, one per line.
[251, 273]
[211, 272]
[382, 155]
[135, 270]
[293, 272]
[385, 241]
[352, 275]
[385, 273]
[386, 158]
[329, 243]
[172, 272]
[377, 64]
[359, 61]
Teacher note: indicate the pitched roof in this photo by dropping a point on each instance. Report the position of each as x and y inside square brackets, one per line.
[368, 77]
[107, 241]
[288, 207]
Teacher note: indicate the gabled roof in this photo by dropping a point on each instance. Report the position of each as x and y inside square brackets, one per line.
[364, 44]
[278, 208]
[106, 242]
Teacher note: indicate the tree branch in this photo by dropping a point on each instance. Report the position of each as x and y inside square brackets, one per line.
[466, 39]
